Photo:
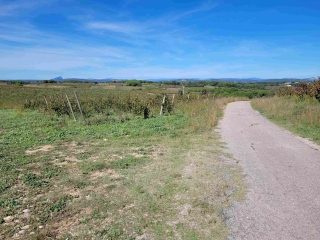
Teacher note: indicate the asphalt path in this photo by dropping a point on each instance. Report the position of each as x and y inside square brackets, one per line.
[283, 176]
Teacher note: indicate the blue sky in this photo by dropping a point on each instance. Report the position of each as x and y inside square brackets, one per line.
[143, 39]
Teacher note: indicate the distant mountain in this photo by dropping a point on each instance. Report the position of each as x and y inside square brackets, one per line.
[239, 80]
[57, 78]
[85, 79]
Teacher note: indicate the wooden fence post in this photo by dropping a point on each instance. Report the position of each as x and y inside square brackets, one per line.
[163, 101]
[74, 117]
[173, 99]
[45, 99]
[75, 94]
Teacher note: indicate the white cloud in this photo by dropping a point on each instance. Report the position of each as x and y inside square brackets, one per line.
[61, 58]
[150, 32]
[204, 7]
[28, 34]
[126, 28]
[13, 8]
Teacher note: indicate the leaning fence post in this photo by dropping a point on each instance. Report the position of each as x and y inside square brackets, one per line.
[45, 99]
[74, 117]
[173, 99]
[75, 94]
[163, 101]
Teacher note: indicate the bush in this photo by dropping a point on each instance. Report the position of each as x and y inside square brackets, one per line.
[303, 90]
[133, 83]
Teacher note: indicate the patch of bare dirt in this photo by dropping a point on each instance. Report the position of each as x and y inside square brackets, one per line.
[70, 160]
[137, 155]
[65, 224]
[45, 148]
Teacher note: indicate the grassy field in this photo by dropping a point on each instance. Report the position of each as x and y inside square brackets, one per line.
[301, 116]
[120, 175]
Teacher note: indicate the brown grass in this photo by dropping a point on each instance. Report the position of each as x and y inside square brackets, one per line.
[205, 113]
[301, 117]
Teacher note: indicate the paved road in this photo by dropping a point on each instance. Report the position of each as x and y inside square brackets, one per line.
[283, 176]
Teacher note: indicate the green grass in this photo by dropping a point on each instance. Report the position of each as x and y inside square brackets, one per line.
[299, 116]
[163, 177]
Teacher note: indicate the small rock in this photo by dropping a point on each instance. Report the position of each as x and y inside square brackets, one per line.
[21, 232]
[31, 233]
[27, 215]
[40, 227]
[25, 227]
[8, 219]
[26, 210]
[17, 221]
[16, 235]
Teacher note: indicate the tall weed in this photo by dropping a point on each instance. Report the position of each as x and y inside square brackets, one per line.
[205, 113]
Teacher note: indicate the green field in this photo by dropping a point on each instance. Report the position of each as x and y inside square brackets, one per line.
[120, 174]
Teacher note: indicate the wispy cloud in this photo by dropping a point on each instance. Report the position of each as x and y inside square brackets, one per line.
[118, 27]
[22, 33]
[163, 28]
[60, 58]
[204, 7]
[37, 50]
[113, 39]
[13, 8]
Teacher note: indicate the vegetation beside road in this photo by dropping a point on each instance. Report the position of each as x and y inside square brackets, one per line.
[295, 108]
[120, 175]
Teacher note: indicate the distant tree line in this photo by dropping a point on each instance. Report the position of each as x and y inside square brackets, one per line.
[258, 85]
[17, 82]
[49, 81]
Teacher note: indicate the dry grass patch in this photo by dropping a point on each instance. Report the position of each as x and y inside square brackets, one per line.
[45, 148]
[177, 192]
[299, 116]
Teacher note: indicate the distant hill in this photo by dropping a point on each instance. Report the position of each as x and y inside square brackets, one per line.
[57, 78]
[239, 80]
[86, 79]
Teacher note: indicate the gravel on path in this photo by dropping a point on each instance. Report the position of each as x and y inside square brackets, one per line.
[283, 176]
